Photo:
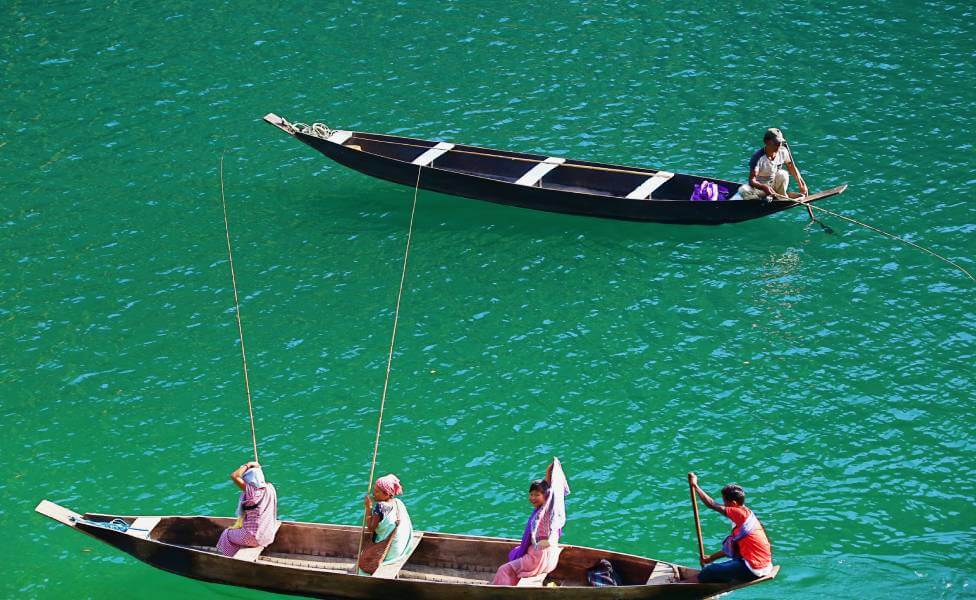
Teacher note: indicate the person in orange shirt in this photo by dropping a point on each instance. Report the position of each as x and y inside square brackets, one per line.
[747, 546]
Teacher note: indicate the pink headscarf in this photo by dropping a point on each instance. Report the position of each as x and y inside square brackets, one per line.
[390, 484]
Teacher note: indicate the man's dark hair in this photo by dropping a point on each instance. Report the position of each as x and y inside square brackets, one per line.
[539, 485]
[734, 493]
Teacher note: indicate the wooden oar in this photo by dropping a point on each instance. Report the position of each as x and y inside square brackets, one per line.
[694, 507]
[799, 175]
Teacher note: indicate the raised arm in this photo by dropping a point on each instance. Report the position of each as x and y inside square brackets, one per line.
[372, 520]
[238, 475]
[705, 498]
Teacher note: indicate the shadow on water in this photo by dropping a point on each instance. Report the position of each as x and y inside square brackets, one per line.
[823, 226]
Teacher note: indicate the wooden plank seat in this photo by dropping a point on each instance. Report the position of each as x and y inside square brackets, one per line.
[644, 190]
[663, 573]
[536, 581]
[143, 526]
[391, 570]
[428, 157]
[249, 554]
[340, 137]
[534, 175]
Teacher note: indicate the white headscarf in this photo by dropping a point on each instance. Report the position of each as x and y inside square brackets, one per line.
[552, 516]
[254, 477]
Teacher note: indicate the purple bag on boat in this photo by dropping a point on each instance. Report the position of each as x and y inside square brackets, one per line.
[709, 191]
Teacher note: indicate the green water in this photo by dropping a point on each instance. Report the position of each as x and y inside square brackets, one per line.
[830, 374]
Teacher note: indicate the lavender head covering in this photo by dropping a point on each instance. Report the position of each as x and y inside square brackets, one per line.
[254, 477]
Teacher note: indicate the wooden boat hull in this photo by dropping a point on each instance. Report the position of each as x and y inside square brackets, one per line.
[184, 546]
[574, 187]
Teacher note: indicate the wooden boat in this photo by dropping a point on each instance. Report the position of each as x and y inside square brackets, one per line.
[534, 181]
[311, 559]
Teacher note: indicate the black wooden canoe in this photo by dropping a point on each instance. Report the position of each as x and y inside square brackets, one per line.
[312, 559]
[534, 181]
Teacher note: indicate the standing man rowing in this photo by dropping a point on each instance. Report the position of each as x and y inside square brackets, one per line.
[767, 177]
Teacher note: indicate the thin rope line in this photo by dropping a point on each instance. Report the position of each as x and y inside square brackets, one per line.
[237, 311]
[389, 358]
[810, 206]
[892, 236]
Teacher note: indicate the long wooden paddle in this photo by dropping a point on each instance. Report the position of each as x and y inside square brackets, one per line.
[694, 507]
[799, 175]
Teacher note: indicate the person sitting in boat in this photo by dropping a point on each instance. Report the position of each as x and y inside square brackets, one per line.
[387, 516]
[767, 176]
[747, 547]
[539, 551]
[257, 512]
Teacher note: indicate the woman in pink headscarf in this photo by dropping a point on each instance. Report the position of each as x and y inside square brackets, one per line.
[538, 553]
[388, 516]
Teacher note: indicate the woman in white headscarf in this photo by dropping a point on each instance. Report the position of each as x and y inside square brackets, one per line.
[257, 512]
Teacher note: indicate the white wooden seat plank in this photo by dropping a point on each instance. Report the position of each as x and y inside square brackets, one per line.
[662, 574]
[532, 581]
[428, 157]
[390, 571]
[536, 173]
[249, 554]
[142, 527]
[644, 190]
[340, 137]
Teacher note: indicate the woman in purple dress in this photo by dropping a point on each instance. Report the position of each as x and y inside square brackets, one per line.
[538, 554]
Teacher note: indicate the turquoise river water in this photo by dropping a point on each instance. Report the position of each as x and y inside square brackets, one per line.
[831, 374]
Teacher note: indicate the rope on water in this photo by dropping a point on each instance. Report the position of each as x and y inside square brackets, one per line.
[389, 358]
[890, 235]
[237, 311]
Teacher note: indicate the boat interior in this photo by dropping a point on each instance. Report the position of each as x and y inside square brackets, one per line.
[531, 169]
[437, 557]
